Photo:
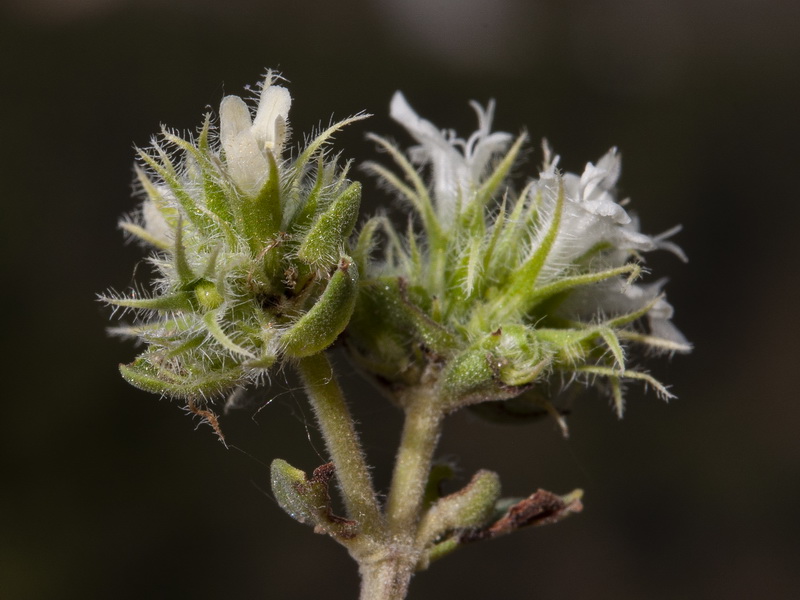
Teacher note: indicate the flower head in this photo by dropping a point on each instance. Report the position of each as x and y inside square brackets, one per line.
[251, 251]
[499, 289]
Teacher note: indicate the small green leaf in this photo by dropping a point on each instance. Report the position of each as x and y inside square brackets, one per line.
[466, 509]
[307, 500]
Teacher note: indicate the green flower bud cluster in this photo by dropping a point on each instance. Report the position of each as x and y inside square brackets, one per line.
[251, 257]
[491, 289]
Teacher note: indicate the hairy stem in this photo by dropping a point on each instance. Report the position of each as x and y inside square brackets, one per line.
[342, 442]
[386, 579]
[421, 432]
[387, 575]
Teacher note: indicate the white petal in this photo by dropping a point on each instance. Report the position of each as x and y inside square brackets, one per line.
[611, 163]
[606, 207]
[246, 164]
[234, 118]
[485, 149]
[450, 170]
[272, 116]
[423, 131]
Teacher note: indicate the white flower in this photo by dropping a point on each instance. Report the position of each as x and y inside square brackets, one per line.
[247, 142]
[591, 217]
[593, 220]
[458, 165]
[617, 297]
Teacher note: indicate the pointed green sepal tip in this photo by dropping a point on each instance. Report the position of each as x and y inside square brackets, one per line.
[176, 301]
[307, 500]
[322, 324]
[325, 239]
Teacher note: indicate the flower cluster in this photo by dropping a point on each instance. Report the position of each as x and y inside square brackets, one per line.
[492, 289]
[494, 298]
[251, 251]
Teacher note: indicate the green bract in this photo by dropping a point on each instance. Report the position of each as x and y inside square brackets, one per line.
[496, 288]
[252, 260]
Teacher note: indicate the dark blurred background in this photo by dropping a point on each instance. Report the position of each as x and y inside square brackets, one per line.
[107, 492]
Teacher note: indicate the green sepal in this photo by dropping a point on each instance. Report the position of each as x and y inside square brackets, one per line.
[366, 242]
[473, 212]
[215, 329]
[261, 215]
[434, 336]
[521, 359]
[327, 318]
[300, 212]
[307, 500]
[379, 342]
[325, 239]
[166, 170]
[186, 277]
[144, 235]
[166, 303]
[469, 376]
[145, 375]
[393, 333]
[516, 296]
[568, 345]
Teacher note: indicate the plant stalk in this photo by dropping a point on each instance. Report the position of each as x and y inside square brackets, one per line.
[421, 431]
[342, 443]
[386, 579]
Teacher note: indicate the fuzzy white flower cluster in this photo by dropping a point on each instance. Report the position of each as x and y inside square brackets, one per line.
[500, 289]
[594, 225]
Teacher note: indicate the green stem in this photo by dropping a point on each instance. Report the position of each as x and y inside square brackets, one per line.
[342, 442]
[386, 579]
[421, 432]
